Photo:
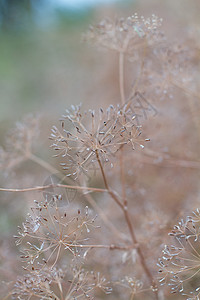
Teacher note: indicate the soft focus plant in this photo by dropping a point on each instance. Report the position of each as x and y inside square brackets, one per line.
[180, 264]
[89, 236]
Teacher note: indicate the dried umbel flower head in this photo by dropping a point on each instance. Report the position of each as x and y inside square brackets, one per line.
[52, 230]
[126, 34]
[170, 67]
[158, 67]
[130, 285]
[180, 264]
[94, 136]
[58, 284]
[19, 143]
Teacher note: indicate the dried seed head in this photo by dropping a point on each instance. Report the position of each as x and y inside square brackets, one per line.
[126, 34]
[51, 226]
[180, 263]
[101, 137]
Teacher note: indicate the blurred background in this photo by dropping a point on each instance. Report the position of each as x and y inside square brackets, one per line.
[45, 66]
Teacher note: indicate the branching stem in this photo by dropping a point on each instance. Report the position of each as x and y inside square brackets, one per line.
[44, 187]
[111, 193]
[121, 77]
[130, 226]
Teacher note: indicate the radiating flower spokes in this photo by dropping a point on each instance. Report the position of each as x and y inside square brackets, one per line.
[51, 230]
[179, 266]
[102, 132]
[56, 283]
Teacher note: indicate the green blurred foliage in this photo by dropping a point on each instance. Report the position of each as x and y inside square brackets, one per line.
[30, 54]
[16, 14]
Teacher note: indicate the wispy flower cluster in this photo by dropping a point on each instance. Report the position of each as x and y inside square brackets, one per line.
[19, 143]
[94, 135]
[58, 244]
[49, 231]
[58, 284]
[171, 66]
[180, 264]
[126, 34]
[131, 285]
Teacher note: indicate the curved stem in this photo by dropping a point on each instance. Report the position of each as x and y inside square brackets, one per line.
[122, 177]
[121, 77]
[42, 163]
[41, 188]
[111, 193]
[124, 208]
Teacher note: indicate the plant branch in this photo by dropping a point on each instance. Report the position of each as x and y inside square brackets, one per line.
[111, 193]
[41, 188]
[121, 69]
[104, 217]
[122, 175]
[110, 247]
[121, 77]
[42, 163]
[130, 227]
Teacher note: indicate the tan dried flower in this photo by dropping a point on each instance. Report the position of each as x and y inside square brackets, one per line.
[49, 231]
[180, 264]
[94, 134]
[19, 143]
[126, 34]
[58, 284]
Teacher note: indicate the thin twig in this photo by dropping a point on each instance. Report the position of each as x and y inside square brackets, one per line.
[124, 205]
[130, 227]
[104, 217]
[121, 77]
[43, 163]
[41, 188]
[121, 69]
[111, 193]
[122, 175]
[110, 247]
[134, 89]
[152, 157]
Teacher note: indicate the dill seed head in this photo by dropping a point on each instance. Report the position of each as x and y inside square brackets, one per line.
[19, 143]
[66, 283]
[132, 31]
[84, 136]
[179, 266]
[51, 230]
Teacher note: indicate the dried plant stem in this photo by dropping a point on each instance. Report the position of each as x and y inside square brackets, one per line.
[134, 89]
[186, 90]
[151, 156]
[139, 251]
[124, 205]
[111, 193]
[121, 69]
[104, 217]
[42, 163]
[130, 227]
[122, 94]
[41, 188]
[191, 104]
[8, 295]
[121, 77]
[122, 175]
[110, 247]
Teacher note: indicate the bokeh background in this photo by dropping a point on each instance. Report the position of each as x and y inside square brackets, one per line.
[45, 66]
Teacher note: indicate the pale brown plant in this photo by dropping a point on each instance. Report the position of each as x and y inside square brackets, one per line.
[64, 251]
[180, 263]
